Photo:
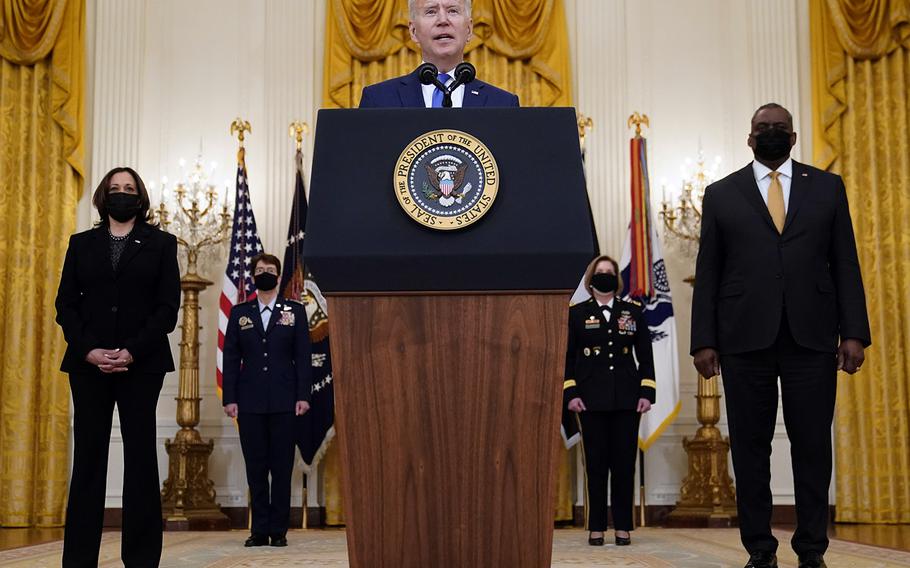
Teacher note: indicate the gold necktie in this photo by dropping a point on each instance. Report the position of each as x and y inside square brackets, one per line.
[776, 202]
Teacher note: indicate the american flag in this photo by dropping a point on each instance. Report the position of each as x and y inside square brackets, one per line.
[237, 286]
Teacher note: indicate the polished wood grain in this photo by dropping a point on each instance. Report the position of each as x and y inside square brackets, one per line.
[447, 413]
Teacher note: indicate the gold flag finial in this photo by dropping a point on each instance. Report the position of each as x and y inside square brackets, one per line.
[297, 130]
[239, 125]
[638, 120]
[584, 124]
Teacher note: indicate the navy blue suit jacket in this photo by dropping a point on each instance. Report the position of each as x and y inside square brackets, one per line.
[406, 92]
[267, 370]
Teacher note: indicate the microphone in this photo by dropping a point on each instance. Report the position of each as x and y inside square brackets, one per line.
[429, 75]
[464, 73]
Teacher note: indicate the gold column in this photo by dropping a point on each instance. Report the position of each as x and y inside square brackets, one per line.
[707, 497]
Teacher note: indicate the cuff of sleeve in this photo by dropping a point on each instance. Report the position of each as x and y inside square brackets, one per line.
[649, 389]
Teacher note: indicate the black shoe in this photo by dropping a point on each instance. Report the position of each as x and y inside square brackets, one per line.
[599, 541]
[279, 540]
[257, 540]
[812, 560]
[623, 540]
[762, 560]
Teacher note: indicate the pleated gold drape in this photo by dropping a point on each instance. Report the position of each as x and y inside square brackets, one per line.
[861, 120]
[519, 45]
[41, 154]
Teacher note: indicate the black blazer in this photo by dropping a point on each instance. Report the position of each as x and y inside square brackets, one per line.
[747, 274]
[134, 307]
[267, 370]
[600, 367]
[406, 91]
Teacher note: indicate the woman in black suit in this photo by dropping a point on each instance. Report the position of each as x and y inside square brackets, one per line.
[118, 299]
[609, 391]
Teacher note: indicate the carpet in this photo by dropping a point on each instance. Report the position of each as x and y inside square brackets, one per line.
[651, 548]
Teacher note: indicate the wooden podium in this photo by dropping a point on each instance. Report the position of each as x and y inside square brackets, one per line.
[448, 347]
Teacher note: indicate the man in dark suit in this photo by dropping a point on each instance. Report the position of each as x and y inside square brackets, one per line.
[778, 293]
[442, 29]
[267, 381]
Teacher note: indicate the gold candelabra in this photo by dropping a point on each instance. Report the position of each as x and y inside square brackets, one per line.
[200, 223]
[707, 497]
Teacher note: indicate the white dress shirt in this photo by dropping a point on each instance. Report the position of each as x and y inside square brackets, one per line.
[457, 94]
[763, 179]
[266, 314]
[608, 310]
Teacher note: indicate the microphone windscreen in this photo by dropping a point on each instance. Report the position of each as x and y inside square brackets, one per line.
[427, 73]
[465, 72]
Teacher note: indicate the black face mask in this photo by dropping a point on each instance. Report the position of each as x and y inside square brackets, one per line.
[772, 144]
[122, 206]
[604, 282]
[265, 281]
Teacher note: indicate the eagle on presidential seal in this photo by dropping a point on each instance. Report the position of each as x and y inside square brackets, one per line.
[445, 176]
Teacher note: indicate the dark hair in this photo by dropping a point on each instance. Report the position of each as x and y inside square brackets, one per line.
[265, 258]
[99, 198]
[592, 266]
[772, 105]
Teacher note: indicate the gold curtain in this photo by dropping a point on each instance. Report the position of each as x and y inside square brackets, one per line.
[518, 45]
[41, 97]
[861, 130]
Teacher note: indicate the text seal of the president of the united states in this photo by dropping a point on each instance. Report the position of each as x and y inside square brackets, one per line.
[446, 179]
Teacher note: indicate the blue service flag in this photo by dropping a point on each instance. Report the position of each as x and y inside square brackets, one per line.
[316, 428]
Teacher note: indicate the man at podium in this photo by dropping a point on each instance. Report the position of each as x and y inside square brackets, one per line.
[442, 29]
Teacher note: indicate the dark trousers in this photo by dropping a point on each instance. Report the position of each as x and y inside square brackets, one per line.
[610, 444]
[808, 383]
[267, 441]
[94, 396]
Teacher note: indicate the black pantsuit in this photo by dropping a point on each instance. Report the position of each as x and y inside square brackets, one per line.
[267, 441]
[136, 397]
[808, 382]
[774, 304]
[601, 370]
[610, 445]
[134, 307]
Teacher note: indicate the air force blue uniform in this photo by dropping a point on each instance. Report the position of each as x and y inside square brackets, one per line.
[267, 369]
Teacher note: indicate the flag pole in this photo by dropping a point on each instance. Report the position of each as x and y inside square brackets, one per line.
[641, 487]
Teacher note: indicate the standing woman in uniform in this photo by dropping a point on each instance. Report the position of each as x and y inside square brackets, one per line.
[609, 391]
[117, 302]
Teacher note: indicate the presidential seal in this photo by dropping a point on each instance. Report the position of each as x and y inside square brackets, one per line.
[446, 179]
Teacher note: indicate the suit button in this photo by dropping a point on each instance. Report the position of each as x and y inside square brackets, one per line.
[265, 368]
[265, 354]
[609, 343]
[114, 309]
[611, 367]
[609, 331]
[263, 340]
[611, 355]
